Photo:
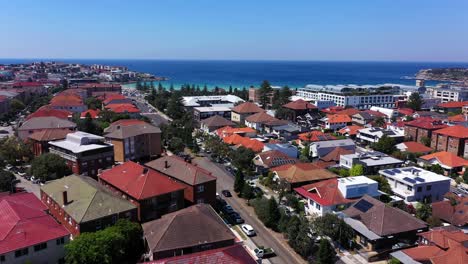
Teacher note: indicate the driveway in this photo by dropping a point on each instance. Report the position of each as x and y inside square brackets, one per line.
[28, 186]
[265, 237]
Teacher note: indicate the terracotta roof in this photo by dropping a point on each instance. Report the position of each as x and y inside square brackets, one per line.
[302, 172]
[454, 131]
[25, 222]
[46, 110]
[427, 123]
[261, 117]
[255, 145]
[127, 122]
[127, 128]
[139, 182]
[112, 96]
[350, 130]
[323, 164]
[456, 215]
[193, 226]
[325, 193]
[50, 134]
[315, 135]
[335, 118]
[217, 121]
[247, 107]
[349, 112]
[375, 113]
[446, 158]
[233, 139]
[423, 253]
[123, 108]
[381, 219]
[332, 109]
[273, 158]
[455, 255]
[66, 100]
[299, 105]
[405, 111]
[227, 131]
[335, 154]
[93, 113]
[453, 104]
[46, 122]
[181, 170]
[27, 84]
[458, 118]
[444, 238]
[416, 147]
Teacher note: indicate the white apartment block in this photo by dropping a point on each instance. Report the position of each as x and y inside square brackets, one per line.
[448, 93]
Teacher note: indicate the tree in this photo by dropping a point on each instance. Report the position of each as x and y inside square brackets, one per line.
[247, 192]
[415, 102]
[356, 170]
[88, 125]
[264, 93]
[343, 172]
[7, 181]
[283, 113]
[385, 144]
[284, 94]
[175, 107]
[13, 150]
[379, 121]
[433, 221]
[423, 211]
[436, 168]
[138, 85]
[176, 145]
[292, 229]
[16, 105]
[334, 227]
[93, 103]
[49, 166]
[239, 182]
[465, 176]
[326, 254]
[426, 141]
[384, 186]
[242, 158]
[303, 243]
[274, 214]
[394, 261]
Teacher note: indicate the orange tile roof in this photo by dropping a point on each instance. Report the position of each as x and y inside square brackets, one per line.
[261, 117]
[416, 147]
[336, 118]
[453, 131]
[315, 135]
[302, 172]
[332, 109]
[458, 118]
[405, 111]
[423, 253]
[325, 193]
[227, 131]
[451, 214]
[299, 105]
[453, 104]
[67, 100]
[93, 113]
[348, 112]
[234, 139]
[350, 130]
[247, 107]
[446, 158]
[255, 145]
[123, 108]
[426, 123]
[46, 110]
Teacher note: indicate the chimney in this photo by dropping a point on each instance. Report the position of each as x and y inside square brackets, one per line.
[65, 197]
[145, 170]
[166, 165]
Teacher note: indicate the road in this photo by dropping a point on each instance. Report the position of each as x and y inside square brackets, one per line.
[28, 186]
[264, 237]
[156, 117]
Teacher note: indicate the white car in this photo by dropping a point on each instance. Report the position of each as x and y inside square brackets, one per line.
[248, 230]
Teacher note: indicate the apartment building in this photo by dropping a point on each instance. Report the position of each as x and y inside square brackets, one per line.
[452, 139]
[448, 93]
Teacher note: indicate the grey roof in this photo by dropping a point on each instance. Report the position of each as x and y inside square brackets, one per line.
[361, 228]
[125, 131]
[403, 258]
[364, 115]
[46, 122]
[217, 121]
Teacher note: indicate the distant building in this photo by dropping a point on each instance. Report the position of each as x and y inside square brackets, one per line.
[448, 93]
[38, 124]
[335, 121]
[242, 111]
[451, 107]
[421, 128]
[70, 103]
[201, 113]
[215, 122]
[97, 89]
[451, 139]
[374, 134]
[319, 149]
[450, 162]
[84, 153]
[211, 100]
[299, 108]
[371, 161]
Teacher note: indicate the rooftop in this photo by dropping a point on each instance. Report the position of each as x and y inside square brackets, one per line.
[217, 121]
[203, 109]
[446, 159]
[247, 107]
[78, 142]
[315, 135]
[194, 100]
[426, 123]
[336, 118]
[50, 134]
[46, 122]
[273, 158]
[128, 128]
[48, 111]
[302, 172]
[325, 193]
[456, 215]
[413, 175]
[414, 147]
[373, 158]
[454, 131]
[299, 105]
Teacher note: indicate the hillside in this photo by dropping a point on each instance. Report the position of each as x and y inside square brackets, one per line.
[444, 74]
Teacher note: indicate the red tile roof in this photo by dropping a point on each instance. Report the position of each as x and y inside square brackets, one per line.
[128, 122]
[416, 147]
[446, 158]
[123, 108]
[93, 113]
[112, 96]
[50, 134]
[325, 193]
[25, 222]
[227, 131]
[303, 172]
[423, 254]
[261, 117]
[335, 154]
[247, 107]
[458, 118]
[453, 104]
[348, 112]
[48, 111]
[405, 111]
[336, 118]
[375, 113]
[66, 100]
[139, 182]
[427, 123]
[456, 215]
[332, 109]
[315, 135]
[350, 130]
[233, 139]
[299, 105]
[454, 131]
[255, 145]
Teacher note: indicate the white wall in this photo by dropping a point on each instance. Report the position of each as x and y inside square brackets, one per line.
[50, 255]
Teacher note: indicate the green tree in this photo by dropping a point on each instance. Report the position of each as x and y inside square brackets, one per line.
[49, 166]
[303, 243]
[356, 170]
[433, 221]
[176, 145]
[13, 150]
[379, 121]
[423, 211]
[283, 113]
[274, 214]
[16, 105]
[7, 181]
[334, 227]
[426, 141]
[292, 229]
[93, 103]
[326, 254]
[343, 172]
[264, 93]
[242, 158]
[88, 125]
[436, 168]
[465, 176]
[284, 94]
[394, 261]
[239, 182]
[175, 107]
[415, 102]
[384, 186]
[138, 85]
[247, 192]
[385, 144]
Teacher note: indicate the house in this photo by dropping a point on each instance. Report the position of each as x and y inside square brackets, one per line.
[379, 228]
[259, 120]
[253, 144]
[28, 233]
[334, 194]
[241, 131]
[371, 161]
[320, 149]
[350, 131]
[362, 118]
[335, 154]
[84, 153]
[151, 192]
[204, 112]
[287, 132]
[45, 111]
[415, 184]
[134, 140]
[213, 123]
[72, 103]
[295, 175]
[314, 135]
[268, 159]
[93, 113]
[194, 229]
[124, 109]
[374, 134]
[451, 107]
[299, 108]
[335, 121]
[452, 211]
[452, 139]
[97, 89]
[441, 245]
[242, 111]
[40, 139]
[81, 204]
[37, 124]
[113, 98]
[421, 128]
[200, 185]
[413, 147]
[286, 148]
[450, 162]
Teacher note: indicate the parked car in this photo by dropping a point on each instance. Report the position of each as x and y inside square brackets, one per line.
[226, 193]
[248, 230]
[264, 252]
[228, 209]
[8, 166]
[236, 218]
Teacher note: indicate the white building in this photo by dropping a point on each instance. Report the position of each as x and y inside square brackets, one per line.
[322, 148]
[211, 100]
[386, 111]
[415, 184]
[374, 134]
[448, 93]
[361, 97]
[372, 161]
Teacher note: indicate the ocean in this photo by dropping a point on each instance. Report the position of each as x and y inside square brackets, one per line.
[295, 74]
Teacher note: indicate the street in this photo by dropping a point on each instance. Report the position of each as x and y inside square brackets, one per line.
[265, 237]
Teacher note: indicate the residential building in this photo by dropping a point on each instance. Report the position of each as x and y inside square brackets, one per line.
[374, 134]
[215, 122]
[255, 145]
[287, 132]
[259, 120]
[452, 139]
[335, 194]
[194, 229]
[350, 131]
[313, 136]
[371, 161]
[299, 108]
[200, 184]
[380, 228]
[114, 98]
[359, 97]
[414, 184]
[241, 131]
[211, 100]
[421, 128]
[81, 204]
[40, 139]
[28, 233]
[46, 110]
[450, 162]
[413, 147]
[320, 149]
[134, 140]
[125, 109]
[37, 124]
[290, 176]
[451, 107]
[84, 153]
[335, 154]
[204, 112]
[362, 118]
[448, 93]
[150, 191]
[242, 111]
[285, 148]
[72, 103]
[97, 89]
[452, 211]
[268, 159]
[335, 121]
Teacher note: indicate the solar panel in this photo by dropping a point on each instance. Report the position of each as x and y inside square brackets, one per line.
[409, 180]
[416, 170]
[419, 179]
[396, 170]
[363, 206]
[389, 172]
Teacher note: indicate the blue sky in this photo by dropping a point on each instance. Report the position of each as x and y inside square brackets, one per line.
[397, 30]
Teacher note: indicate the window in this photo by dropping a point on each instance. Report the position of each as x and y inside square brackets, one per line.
[410, 188]
[40, 247]
[60, 241]
[317, 206]
[200, 188]
[21, 252]
[2, 258]
[428, 188]
[419, 189]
